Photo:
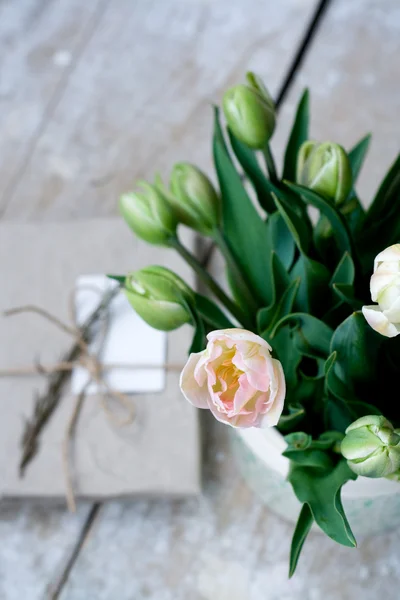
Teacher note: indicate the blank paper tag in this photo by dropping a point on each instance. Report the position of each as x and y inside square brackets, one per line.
[129, 341]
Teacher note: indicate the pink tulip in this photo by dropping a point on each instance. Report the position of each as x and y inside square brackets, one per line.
[237, 379]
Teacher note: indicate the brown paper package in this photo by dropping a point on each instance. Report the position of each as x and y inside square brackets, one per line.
[159, 453]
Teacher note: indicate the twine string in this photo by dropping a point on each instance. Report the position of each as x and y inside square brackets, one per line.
[91, 362]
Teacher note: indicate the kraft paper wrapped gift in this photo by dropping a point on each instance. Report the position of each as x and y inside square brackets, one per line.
[159, 452]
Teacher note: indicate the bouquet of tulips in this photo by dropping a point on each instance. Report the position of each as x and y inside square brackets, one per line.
[306, 338]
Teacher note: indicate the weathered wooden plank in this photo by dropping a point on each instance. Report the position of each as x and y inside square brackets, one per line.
[139, 99]
[35, 544]
[352, 73]
[40, 44]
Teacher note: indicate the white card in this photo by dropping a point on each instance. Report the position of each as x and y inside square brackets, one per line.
[129, 341]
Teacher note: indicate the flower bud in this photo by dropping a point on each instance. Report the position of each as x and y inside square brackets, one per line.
[194, 199]
[149, 215]
[250, 112]
[159, 297]
[384, 317]
[372, 447]
[325, 169]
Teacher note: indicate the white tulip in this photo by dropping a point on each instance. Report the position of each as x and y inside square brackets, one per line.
[384, 317]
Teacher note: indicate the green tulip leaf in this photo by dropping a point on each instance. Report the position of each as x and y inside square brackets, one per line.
[354, 214]
[302, 529]
[334, 384]
[337, 221]
[314, 278]
[320, 489]
[309, 458]
[298, 135]
[352, 210]
[211, 313]
[244, 229]
[357, 156]
[356, 345]
[248, 160]
[338, 414]
[313, 336]
[284, 350]
[299, 440]
[199, 336]
[269, 317]
[292, 418]
[369, 240]
[345, 271]
[342, 405]
[294, 222]
[327, 440]
[345, 293]
[281, 239]
[387, 195]
[279, 283]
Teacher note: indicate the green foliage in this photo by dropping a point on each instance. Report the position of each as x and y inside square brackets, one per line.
[243, 227]
[248, 160]
[298, 135]
[303, 526]
[317, 485]
[337, 221]
[357, 156]
[211, 313]
[301, 284]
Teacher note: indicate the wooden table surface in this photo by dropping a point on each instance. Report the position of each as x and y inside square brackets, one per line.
[94, 95]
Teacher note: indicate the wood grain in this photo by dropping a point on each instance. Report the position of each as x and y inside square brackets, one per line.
[139, 97]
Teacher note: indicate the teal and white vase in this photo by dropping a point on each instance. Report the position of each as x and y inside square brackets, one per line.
[371, 505]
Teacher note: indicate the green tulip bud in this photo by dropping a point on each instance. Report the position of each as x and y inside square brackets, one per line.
[372, 447]
[159, 297]
[149, 215]
[250, 112]
[394, 476]
[325, 168]
[194, 199]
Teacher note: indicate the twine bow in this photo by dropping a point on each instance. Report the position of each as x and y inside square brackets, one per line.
[91, 362]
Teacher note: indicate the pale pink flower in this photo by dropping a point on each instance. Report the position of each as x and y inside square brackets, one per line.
[237, 379]
[384, 317]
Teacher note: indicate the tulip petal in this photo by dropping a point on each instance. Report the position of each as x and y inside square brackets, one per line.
[359, 444]
[379, 322]
[237, 335]
[277, 397]
[195, 393]
[389, 254]
[379, 281]
[393, 313]
[236, 379]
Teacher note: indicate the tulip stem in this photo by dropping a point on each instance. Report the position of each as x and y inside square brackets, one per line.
[269, 160]
[192, 261]
[226, 252]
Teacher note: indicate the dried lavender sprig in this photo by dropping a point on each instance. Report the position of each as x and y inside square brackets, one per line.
[46, 403]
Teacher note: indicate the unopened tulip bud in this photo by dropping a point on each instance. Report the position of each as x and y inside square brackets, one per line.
[372, 447]
[384, 316]
[159, 297]
[250, 112]
[149, 215]
[325, 169]
[194, 199]
[394, 476]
